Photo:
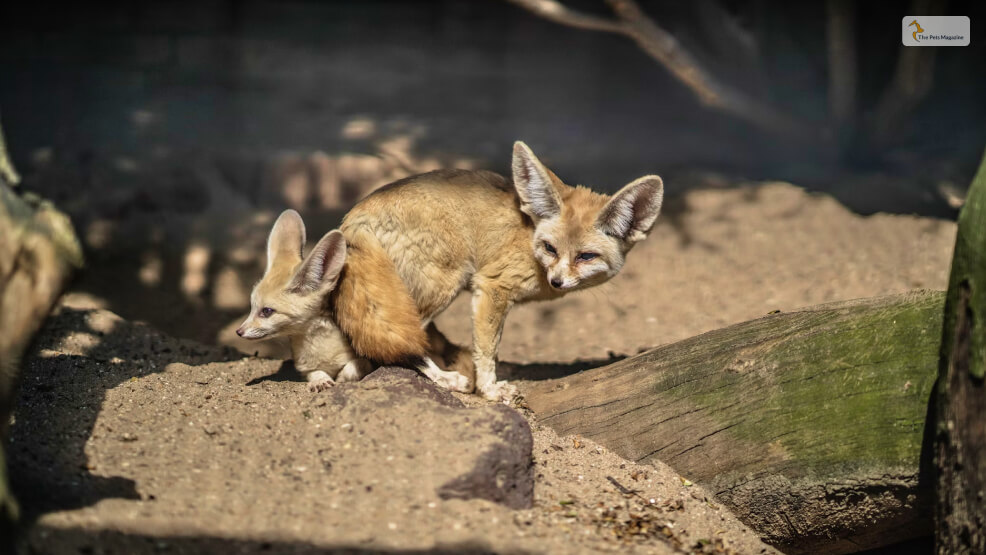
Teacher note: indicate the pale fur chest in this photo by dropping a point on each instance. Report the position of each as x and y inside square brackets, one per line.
[322, 346]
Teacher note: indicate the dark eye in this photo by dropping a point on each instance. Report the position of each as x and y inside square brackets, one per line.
[586, 256]
[266, 312]
[550, 248]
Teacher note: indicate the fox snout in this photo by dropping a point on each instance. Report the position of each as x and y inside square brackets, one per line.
[562, 283]
[252, 333]
[248, 331]
[561, 275]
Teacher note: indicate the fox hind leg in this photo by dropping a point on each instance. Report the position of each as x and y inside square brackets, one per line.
[449, 356]
[354, 370]
[449, 380]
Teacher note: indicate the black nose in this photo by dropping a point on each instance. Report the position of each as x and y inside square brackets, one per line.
[556, 283]
[239, 332]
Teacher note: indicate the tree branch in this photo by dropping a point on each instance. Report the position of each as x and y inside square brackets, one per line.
[557, 12]
[7, 172]
[663, 47]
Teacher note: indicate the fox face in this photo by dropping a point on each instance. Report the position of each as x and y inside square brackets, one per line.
[293, 289]
[581, 238]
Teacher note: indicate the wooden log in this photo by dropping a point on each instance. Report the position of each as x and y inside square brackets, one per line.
[960, 439]
[808, 425]
[38, 252]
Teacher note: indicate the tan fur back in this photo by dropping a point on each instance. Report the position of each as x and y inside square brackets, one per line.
[373, 307]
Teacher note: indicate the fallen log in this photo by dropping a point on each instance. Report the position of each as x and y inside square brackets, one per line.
[808, 425]
[960, 431]
[38, 252]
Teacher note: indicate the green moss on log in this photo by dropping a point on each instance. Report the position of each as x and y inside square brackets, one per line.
[969, 274]
[784, 414]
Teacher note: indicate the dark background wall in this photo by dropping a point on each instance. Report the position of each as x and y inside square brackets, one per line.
[250, 79]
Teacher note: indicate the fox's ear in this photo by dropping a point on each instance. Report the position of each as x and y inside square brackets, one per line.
[321, 269]
[538, 198]
[287, 238]
[631, 212]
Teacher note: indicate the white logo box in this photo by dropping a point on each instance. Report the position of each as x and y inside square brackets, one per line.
[935, 30]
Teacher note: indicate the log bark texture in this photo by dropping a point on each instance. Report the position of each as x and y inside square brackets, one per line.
[960, 441]
[38, 252]
[808, 425]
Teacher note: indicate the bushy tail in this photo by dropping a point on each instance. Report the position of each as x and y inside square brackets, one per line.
[373, 306]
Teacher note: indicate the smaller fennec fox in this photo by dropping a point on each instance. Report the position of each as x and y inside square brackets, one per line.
[450, 230]
[292, 299]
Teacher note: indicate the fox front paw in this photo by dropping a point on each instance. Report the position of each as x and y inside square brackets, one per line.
[499, 391]
[319, 381]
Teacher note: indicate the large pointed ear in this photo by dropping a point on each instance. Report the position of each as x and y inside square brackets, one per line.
[538, 197]
[321, 269]
[286, 239]
[631, 212]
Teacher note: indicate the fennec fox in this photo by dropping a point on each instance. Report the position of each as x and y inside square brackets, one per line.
[450, 230]
[292, 299]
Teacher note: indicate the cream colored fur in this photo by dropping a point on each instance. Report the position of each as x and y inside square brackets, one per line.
[292, 300]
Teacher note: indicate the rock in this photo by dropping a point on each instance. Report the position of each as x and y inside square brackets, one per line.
[403, 381]
[502, 471]
[495, 443]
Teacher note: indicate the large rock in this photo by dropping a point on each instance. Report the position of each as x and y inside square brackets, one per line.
[487, 453]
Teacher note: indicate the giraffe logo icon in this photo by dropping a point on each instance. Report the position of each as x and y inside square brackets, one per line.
[919, 29]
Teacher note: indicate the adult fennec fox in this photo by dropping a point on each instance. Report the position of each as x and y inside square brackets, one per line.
[450, 230]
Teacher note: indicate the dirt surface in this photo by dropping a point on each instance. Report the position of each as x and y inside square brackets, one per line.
[116, 447]
[126, 440]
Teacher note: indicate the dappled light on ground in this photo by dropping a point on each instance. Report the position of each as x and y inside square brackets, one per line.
[177, 238]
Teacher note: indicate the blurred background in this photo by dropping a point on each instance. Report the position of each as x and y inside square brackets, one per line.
[174, 132]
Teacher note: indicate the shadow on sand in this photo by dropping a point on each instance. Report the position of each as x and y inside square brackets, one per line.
[76, 358]
[113, 542]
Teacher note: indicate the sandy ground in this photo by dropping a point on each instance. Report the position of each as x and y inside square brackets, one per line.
[108, 399]
[127, 440]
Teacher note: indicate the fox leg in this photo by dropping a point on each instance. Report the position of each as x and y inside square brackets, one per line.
[454, 358]
[449, 380]
[489, 310]
[354, 370]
